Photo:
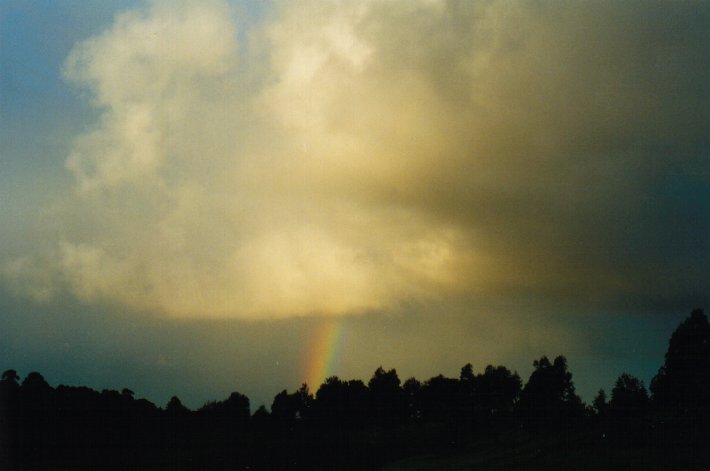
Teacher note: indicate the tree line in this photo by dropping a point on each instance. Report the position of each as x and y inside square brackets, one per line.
[350, 424]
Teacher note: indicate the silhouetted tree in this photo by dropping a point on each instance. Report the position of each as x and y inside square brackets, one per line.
[682, 386]
[10, 376]
[286, 419]
[384, 382]
[629, 399]
[412, 388]
[343, 403]
[175, 407]
[467, 395]
[466, 374]
[626, 412]
[236, 407]
[305, 400]
[388, 404]
[283, 407]
[221, 430]
[439, 398]
[9, 388]
[232, 413]
[330, 400]
[681, 391]
[37, 397]
[292, 406]
[357, 400]
[600, 403]
[497, 391]
[35, 382]
[549, 399]
[261, 414]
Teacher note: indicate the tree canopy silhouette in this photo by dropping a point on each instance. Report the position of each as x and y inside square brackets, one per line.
[629, 398]
[352, 425]
[681, 389]
[549, 398]
[682, 385]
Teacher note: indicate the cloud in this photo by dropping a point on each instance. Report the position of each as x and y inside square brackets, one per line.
[347, 157]
[146, 72]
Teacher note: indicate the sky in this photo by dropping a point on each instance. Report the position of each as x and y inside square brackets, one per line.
[199, 197]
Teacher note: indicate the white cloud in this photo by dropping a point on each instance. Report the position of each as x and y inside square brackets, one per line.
[147, 72]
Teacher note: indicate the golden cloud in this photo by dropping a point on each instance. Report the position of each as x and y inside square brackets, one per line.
[355, 156]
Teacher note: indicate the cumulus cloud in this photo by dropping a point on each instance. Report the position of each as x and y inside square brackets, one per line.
[343, 157]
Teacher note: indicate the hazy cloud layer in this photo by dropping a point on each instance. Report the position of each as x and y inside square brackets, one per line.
[344, 157]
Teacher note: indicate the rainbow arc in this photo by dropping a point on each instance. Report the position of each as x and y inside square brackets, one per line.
[323, 352]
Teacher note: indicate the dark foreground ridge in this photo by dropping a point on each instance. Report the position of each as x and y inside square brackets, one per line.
[478, 421]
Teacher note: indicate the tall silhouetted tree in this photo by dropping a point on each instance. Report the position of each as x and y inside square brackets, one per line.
[549, 399]
[177, 427]
[342, 403]
[236, 406]
[600, 403]
[466, 374]
[497, 391]
[221, 429]
[682, 386]
[625, 419]
[388, 404]
[681, 389]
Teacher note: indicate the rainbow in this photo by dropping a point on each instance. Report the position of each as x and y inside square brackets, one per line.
[323, 352]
